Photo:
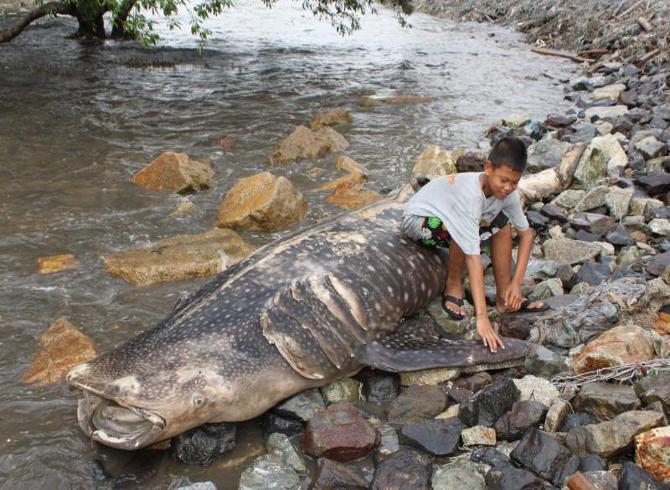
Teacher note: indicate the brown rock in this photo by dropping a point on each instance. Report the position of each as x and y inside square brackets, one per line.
[333, 141]
[611, 437]
[331, 117]
[434, 162]
[351, 197]
[349, 180]
[179, 257]
[471, 162]
[416, 403]
[261, 202]
[175, 172]
[56, 263]
[368, 101]
[350, 165]
[652, 452]
[63, 346]
[301, 144]
[662, 325]
[619, 345]
[340, 433]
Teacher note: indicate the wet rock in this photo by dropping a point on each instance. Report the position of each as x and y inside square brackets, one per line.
[594, 198]
[264, 474]
[459, 474]
[606, 112]
[523, 415]
[569, 198]
[352, 179]
[331, 117]
[369, 101]
[62, 346]
[479, 436]
[406, 469]
[261, 202]
[429, 376]
[184, 208]
[350, 197]
[343, 390]
[434, 162]
[331, 474]
[305, 144]
[611, 92]
[273, 423]
[660, 226]
[544, 456]
[175, 172]
[543, 362]
[56, 263]
[438, 437]
[536, 389]
[650, 147]
[180, 257]
[595, 223]
[655, 388]
[620, 236]
[618, 202]
[567, 251]
[604, 156]
[417, 403]
[652, 452]
[547, 289]
[389, 440]
[489, 404]
[655, 184]
[281, 450]
[612, 437]
[471, 162]
[546, 153]
[202, 445]
[619, 345]
[556, 414]
[632, 477]
[381, 388]
[593, 273]
[340, 433]
[507, 477]
[350, 165]
[302, 406]
[605, 400]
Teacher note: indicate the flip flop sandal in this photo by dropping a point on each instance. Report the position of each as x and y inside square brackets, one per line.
[452, 299]
[526, 303]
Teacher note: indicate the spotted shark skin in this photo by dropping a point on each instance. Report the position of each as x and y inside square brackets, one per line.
[298, 313]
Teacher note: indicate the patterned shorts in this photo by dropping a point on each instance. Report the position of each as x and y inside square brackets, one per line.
[433, 234]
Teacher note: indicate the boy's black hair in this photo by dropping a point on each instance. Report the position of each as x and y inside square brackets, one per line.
[509, 151]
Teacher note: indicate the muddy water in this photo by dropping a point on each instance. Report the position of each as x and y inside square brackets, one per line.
[77, 120]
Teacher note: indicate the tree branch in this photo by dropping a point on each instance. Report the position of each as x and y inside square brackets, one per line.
[118, 29]
[46, 9]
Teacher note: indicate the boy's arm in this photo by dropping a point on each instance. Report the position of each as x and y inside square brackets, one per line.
[513, 296]
[484, 328]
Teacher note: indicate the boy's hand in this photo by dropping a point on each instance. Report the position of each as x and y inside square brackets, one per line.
[488, 335]
[513, 297]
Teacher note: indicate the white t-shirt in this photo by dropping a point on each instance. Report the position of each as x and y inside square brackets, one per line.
[458, 200]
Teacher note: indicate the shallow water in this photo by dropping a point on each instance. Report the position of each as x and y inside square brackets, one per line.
[77, 120]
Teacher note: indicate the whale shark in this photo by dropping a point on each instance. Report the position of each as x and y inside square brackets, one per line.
[301, 312]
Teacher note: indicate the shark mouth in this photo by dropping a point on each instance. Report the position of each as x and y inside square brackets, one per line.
[117, 426]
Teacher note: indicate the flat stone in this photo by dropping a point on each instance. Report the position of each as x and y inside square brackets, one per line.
[611, 92]
[264, 474]
[593, 273]
[463, 475]
[536, 389]
[557, 412]
[560, 120]
[434, 162]
[262, 202]
[594, 198]
[544, 456]
[567, 251]
[617, 346]
[612, 437]
[554, 212]
[175, 172]
[479, 436]
[56, 263]
[489, 404]
[611, 112]
[569, 198]
[62, 346]
[620, 237]
[654, 184]
[595, 223]
[429, 376]
[606, 400]
[405, 469]
[331, 117]
[303, 406]
[340, 433]
[204, 444]
[416, 403]
[179, 257]
[650, 147]
[438, 437]
[523, 415]
[331, 474]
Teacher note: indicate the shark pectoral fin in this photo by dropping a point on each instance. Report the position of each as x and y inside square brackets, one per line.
[400, 353]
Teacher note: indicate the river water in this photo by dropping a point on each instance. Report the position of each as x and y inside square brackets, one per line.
[77, 120]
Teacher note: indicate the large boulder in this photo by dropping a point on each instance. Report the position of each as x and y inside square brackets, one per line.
[434, 162]
[606, 400]
[305, 144]
[180, 257]
[621, 345]
[262, 202]
[62, 347]
[175, 172]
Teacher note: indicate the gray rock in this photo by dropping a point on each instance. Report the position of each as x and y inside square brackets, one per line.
[407, 469]
[302, 406]
[438, 437]
[381, 387]
[593, 273]
[658, 264]
[546, 153]
[595, 223]
[202, 445]
[557, 412]
[541, 269]
[489, 404]
[543, 362]
[611, 112]
[606, 400]
[280, 450]
[523, 415]
[459, 474]
[265, 474]
[537, 389]
[389, 440]
[417, 403]
[633, 477]
[567, 251]
[604, 156]
[594, 198]
[544, 456]
[655, 388]
[660, 226]
[618, 202]
[650, 147]
[506, 477]
[619, 236]
[602, 480]
[331, 474]
[569, 198]
[547, 289]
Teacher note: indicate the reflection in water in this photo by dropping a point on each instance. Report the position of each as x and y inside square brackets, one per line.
[77, 120]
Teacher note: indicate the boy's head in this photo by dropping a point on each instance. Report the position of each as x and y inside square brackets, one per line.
[506, 163]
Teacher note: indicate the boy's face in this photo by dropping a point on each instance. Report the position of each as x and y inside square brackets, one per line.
[502, 180]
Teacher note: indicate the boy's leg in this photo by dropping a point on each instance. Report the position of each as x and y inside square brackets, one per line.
[454, 285]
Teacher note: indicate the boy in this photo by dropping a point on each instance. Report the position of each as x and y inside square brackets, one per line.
[467, 210]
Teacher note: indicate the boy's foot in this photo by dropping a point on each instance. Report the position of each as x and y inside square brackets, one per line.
[528, 305]
[453, 306]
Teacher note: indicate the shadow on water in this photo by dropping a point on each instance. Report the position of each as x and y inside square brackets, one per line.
[78, 119]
